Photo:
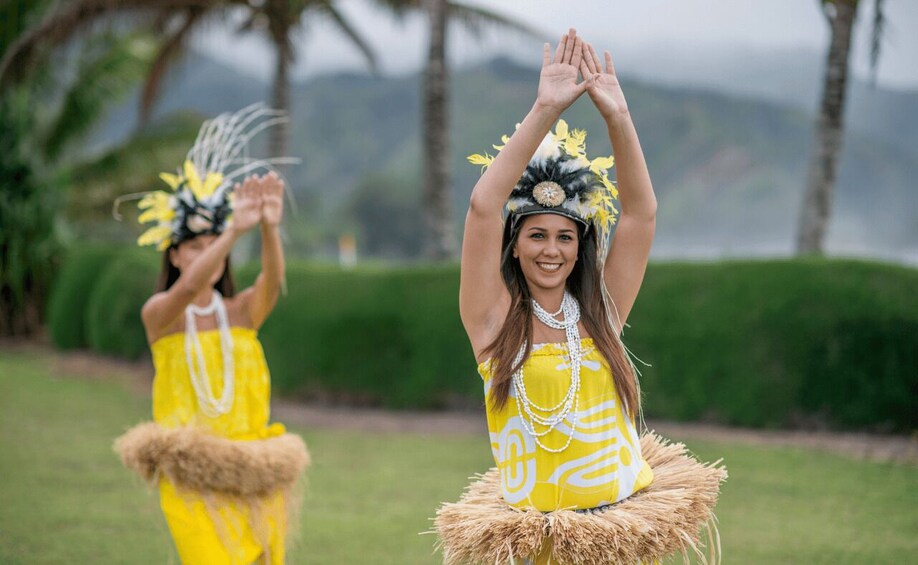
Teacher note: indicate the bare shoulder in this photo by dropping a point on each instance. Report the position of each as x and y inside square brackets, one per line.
[148, 311]
[150, 315]
[237, 308]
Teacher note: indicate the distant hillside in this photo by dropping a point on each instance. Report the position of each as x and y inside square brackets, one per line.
[793, 78]
[729, 170]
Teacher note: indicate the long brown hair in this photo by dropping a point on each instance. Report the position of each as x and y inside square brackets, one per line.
[585, 284]
[169, 273]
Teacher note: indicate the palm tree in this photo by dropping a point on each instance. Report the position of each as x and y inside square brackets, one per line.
[823, 167]
[436, 200]
[440, 235]
[40, 120]
[178, 21]
[281, 18]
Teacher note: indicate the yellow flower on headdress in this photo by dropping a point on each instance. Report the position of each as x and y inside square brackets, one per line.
[504, 139]
[172, 180]
[601, 164]
[191, 177]
[560, 134]
[201, 190]
[597, 204]
[604, 178]
[575, 143]
[603, 209]
[479, 159]
[604, 218]
[160, 235]
[157, 208]
[211, 183]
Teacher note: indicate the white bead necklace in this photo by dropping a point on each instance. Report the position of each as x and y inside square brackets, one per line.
[570, 403]
[212, 407]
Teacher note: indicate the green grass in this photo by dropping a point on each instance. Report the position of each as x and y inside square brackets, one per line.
[64, 497]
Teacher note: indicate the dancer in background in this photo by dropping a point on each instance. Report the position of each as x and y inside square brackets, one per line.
[226, 477]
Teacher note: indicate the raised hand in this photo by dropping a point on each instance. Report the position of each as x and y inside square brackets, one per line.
[604, 88]
[247, 205]
[272, 199]
[558, 87]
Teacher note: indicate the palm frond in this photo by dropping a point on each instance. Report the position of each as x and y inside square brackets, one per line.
[400, 8]
[18, 16]
[170, 51]
[476, 19]
[328, 8]
[109, 68]
[132, 166]
[74, 17]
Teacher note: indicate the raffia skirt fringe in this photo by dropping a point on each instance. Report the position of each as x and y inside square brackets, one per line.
[195, 460]
[256, 481]
[668, 517]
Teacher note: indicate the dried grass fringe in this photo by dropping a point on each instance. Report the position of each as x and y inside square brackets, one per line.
[196, 460]
[667, 518]
[222, 471]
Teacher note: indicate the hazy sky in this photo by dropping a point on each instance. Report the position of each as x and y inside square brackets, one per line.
[626, 28]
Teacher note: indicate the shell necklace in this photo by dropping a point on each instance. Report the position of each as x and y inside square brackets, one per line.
[567, 407]
[209, 405]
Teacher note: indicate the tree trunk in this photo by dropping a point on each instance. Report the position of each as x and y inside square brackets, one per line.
[823, 167]
[280, 134]
[439, 235]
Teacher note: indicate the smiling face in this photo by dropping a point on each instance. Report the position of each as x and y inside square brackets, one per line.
[546, 248]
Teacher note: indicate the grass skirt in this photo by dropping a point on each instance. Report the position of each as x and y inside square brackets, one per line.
[199, 461]
[227, 502]
[666, 518]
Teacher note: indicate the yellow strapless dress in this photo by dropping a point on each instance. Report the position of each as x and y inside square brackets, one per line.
[214, 529]
[603, 463]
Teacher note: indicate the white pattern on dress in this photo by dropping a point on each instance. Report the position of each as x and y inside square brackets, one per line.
[516, 459]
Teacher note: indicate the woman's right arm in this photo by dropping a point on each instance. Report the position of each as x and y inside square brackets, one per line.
[483, 298]
[161, 310]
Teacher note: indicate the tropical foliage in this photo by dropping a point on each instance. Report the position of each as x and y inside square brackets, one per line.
[42, 117]
[177, 22]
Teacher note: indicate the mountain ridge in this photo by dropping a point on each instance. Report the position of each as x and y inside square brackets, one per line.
[729, 171]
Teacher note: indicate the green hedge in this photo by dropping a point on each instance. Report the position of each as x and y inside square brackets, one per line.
[388, 336]
[829, 343]
[780, 343]
[113, 323]
[70, 294]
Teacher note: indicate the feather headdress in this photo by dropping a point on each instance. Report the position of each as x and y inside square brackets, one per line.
[561, 179]
[201, 199]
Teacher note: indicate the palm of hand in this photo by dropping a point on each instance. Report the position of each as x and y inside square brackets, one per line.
[606, 93]
[272, 205]
[558, 85]
[246, 211]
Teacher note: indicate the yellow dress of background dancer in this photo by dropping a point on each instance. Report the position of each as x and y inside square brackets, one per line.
[603, 462]
[214, 529]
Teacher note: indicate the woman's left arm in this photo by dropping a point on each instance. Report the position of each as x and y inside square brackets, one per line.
[630, 249]
[263, 294]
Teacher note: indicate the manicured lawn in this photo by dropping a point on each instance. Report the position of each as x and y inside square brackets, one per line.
[64, 497]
